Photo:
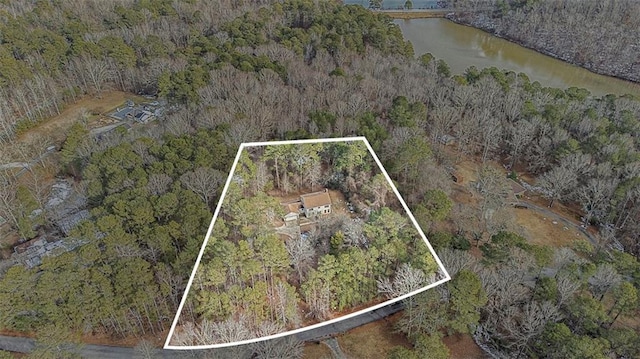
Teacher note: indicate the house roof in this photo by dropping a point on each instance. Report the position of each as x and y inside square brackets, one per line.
[35, 242]
[68, 223]
[292, 207]
[316, 199]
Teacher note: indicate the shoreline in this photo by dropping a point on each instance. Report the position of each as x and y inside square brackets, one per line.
[415, 14]
[455, 19]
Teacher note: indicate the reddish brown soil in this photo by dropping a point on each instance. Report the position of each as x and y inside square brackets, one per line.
[373, 340]
[106, 340]
[8, 239]
[463, 347]
[13, 333]
[317, 350]
[375, 301]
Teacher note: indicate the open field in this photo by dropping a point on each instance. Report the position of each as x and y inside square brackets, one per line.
[54, 129]
[545, 231]
[535, 226]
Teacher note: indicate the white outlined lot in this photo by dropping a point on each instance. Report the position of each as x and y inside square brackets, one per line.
[442, 277]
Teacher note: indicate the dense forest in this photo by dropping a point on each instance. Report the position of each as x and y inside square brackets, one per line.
[236, 72]
[598, 35]
[260, 276]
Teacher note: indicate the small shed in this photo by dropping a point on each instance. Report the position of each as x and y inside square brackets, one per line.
[32, 243]
[457, 177]
[517, 188]
[292, 213]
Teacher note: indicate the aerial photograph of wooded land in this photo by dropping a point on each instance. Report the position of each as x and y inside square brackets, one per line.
[306, 232]
[510, 128]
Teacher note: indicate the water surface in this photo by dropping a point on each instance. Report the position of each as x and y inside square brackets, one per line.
[399, 4]
[462, 46]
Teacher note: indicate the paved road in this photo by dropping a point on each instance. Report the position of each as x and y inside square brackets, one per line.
[26, 345]
[342, 326]
[15, 344]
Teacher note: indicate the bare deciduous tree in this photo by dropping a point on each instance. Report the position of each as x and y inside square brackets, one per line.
[158, 183]
[406, 280]
[595, 197]
[204, 181]
[520, 135]
[39, 187]
[455, 260]
[556, 183]
[353, 234]
[93, 73]
[145, 350]
[262, 176]
[313, 174]
[490, 132]
[287, 347]
[377, 189]
[301, 252]
[319, 301]
[530, 323]
[8, 199]
[567, 287]
[604, 280]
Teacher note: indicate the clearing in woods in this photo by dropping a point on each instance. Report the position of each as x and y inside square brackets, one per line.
[373, 340]
[536, 227]
[53, 131]
[55, 128]
[542, 230]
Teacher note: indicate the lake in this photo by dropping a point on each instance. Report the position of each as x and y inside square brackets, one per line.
[399, 4]
[462, 46]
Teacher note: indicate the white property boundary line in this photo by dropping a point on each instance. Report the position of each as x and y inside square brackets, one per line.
[215, 216]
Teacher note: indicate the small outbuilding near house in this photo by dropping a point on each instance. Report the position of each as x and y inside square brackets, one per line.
[457, 177]
[292, 213]
[516, 188]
